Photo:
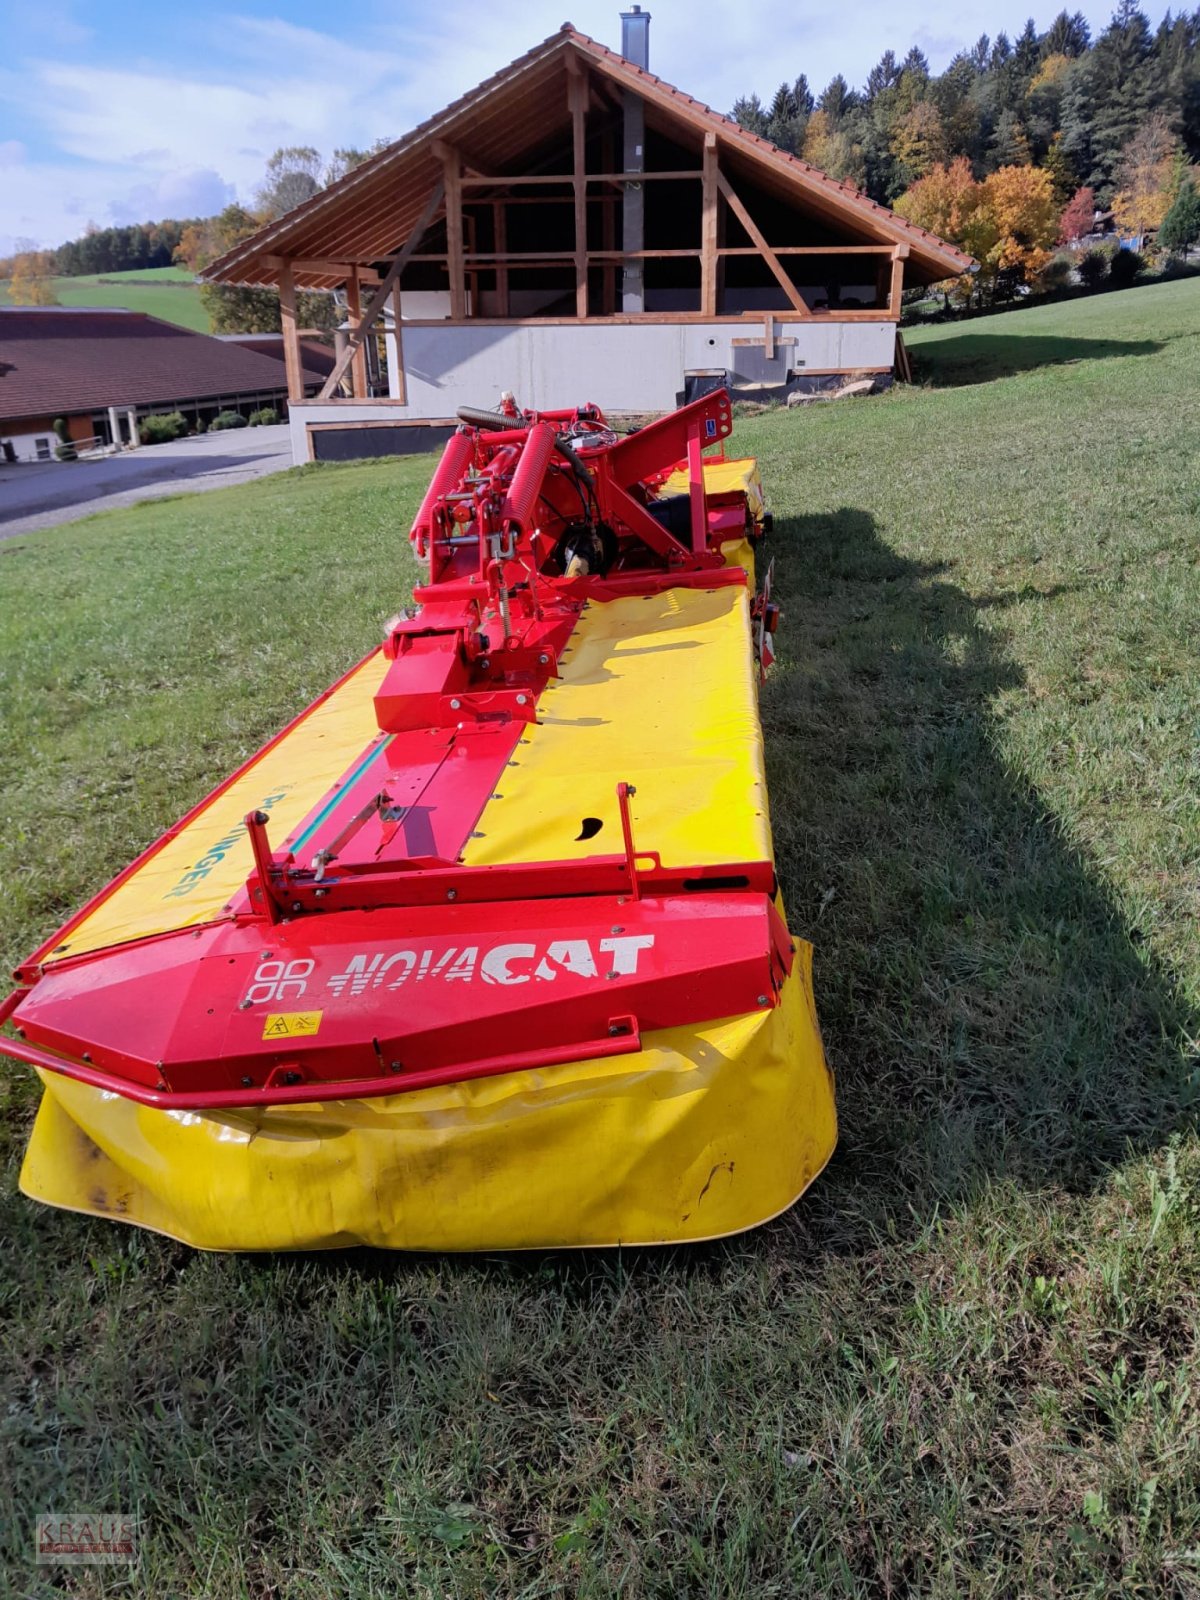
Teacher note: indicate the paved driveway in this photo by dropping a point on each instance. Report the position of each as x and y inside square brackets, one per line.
[43, 495]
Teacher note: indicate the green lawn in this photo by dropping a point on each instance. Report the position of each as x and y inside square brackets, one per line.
[167, 292]
[965, 1364]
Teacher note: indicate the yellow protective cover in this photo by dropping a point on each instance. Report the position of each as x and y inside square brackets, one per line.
[723, 477]
[659, 691]
[705, 1131]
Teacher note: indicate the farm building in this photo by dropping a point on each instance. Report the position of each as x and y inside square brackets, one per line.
[103, 370]
[316, 357]
[577, 229]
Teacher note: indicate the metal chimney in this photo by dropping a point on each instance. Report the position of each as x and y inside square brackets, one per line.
[635, 47]
[635, 37]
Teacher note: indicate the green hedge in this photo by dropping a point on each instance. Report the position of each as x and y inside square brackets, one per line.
[161, 427]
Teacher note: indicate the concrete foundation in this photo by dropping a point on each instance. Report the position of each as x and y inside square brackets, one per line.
[621, 367]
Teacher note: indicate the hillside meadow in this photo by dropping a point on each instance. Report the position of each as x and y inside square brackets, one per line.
[171, 293]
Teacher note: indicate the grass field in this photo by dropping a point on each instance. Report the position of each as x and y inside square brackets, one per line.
[167, 292]
[966, 1363]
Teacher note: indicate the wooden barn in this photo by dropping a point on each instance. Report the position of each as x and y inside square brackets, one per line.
[578, 229]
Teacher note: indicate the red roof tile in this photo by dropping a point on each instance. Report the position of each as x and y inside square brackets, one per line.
[317, 359]
[56, 360]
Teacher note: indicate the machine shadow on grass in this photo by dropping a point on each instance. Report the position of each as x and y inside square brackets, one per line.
[988, 1012]
[971, 358]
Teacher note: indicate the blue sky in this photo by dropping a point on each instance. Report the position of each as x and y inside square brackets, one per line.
[124, 110]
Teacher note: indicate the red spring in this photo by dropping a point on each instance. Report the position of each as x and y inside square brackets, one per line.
[529, 477]
[456, 458]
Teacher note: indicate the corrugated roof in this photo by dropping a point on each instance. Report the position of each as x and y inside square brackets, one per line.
[58, 360]
[367, 215]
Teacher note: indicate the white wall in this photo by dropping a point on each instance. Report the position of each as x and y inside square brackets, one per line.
[25, 444]
[618, 366]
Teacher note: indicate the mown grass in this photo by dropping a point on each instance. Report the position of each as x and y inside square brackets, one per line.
[965, 1364]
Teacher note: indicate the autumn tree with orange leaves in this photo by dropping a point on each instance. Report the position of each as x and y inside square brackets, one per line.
[1144, 195]
[32, 281]
[1021, 206]
[1009, 222]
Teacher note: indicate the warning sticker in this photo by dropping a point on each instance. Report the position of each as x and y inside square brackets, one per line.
[291, 1024]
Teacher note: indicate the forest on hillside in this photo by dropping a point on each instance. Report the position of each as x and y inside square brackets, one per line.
[1059, 100]
[1014, 148]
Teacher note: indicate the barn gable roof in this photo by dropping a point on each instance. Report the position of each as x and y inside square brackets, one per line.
[367, 215]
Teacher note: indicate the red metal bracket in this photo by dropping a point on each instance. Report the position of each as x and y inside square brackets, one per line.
[624, 791]
[263, 883]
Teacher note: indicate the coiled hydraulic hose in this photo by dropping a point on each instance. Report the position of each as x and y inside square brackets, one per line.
[497, 422]
[494, 421]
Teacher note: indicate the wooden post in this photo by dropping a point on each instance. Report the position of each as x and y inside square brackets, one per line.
[710, 201]
[452, 178]
[899, 256]
[577, 99]
[358, 362]
[500, 229]
[470, 247]
[722, 240]
[291, 339]
[764, 249]
[398, 346]
[608, 229]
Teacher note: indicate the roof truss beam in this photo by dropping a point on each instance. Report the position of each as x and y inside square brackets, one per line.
[318, 268]
[734, 203]
[369, 317]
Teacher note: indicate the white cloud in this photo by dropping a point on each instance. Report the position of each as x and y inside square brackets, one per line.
[195, 193]
[136, 138]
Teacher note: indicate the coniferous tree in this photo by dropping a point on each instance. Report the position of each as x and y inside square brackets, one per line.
[1062, 174]
[885, 75]
[837, 99]
[1067, 35]
[1181, 225]
[1027, 49]
[1009, 145]
[748, 113]
[787, 117]
[1122, 82]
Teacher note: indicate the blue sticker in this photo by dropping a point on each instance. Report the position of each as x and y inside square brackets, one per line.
[710, 427]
